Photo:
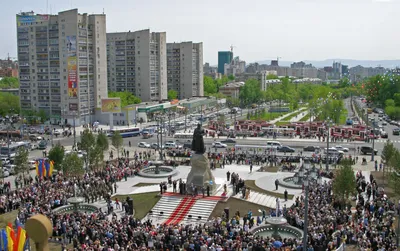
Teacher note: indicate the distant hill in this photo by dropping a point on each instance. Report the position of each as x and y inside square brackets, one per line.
[349, 62]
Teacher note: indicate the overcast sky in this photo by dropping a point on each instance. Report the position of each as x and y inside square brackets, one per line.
[259, 29]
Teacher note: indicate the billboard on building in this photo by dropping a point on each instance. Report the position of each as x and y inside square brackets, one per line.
[73, 107]
[72, 67]
[30, 19]
[111, 105]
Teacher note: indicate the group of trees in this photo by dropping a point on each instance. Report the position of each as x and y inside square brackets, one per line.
[9, 104]
[93, 146]
[172, 94]
[126, 97]
[384, 92]
[35, 117]
[344, 183]
[9, 83]
[391, 159]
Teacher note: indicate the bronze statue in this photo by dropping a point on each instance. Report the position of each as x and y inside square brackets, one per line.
[198, 142]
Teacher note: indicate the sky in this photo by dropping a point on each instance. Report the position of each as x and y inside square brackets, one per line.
[258, 29]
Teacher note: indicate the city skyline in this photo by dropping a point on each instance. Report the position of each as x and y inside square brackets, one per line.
[343, 29]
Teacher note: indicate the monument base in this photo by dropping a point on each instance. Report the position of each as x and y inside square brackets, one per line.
[200, 174]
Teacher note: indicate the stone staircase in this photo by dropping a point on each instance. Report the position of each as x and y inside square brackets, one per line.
[200, 212]
[164, 208]
[264, 200]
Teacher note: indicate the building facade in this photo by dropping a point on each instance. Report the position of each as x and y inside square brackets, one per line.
[62, 66]
[236, 66]
[137, 63]
[185, 69]
[224, 57]
[231, 89]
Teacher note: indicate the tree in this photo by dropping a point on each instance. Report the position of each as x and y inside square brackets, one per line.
[43, 116]
[172, 94]
[394, 180]
[344, 183]
[9, 82]
[250, 93]
[9, 104]
[21, 161]
[127, 98]
[117, 141]
[56, 154]
[102, 141]
[209, 85]
[388, 153]
[72, 166]
[231, 78]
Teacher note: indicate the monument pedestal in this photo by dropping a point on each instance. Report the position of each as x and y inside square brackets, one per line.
[200, 174]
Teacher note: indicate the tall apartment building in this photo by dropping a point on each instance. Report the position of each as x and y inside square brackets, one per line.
[224, 57]
[137, 63]
[62, 64]
[185, 69]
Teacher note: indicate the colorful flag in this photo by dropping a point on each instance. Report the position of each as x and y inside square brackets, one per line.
[4, 240]
[51, 167]
[10, 238]
[21, 239]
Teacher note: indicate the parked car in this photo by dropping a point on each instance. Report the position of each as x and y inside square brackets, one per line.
[384, 135]
[170, 145]
[5, 173]
[333, 150]
[286, 149]
[156, 146]
[143, 145]
[343, 149]
[228, 141]
[368, 150]
[396, 131]
[42, 145]
[311, 149]
[218, 145]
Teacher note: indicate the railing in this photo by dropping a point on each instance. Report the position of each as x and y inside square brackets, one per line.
[69, 208]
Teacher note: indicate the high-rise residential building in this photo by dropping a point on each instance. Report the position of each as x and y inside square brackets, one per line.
[224, 57]
[137, 63]
[62, 64]
[236, 66]
[185, 69]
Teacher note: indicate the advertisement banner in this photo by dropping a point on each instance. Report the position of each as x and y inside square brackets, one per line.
[25, 20]
[73, 107]
[111, 105]
[72, 67]
[72, 78]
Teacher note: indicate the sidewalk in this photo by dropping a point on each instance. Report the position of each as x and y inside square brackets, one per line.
[287, 114]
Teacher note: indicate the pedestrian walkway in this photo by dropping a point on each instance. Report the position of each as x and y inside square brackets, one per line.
[287, 114]
[264, 200]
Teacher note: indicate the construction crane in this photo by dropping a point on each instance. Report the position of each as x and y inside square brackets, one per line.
[232, 46]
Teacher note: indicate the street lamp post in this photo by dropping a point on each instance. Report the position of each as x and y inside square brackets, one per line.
[327, 144]
[373, 140]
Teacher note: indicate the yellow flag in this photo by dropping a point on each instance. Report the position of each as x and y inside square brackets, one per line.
[21, 241]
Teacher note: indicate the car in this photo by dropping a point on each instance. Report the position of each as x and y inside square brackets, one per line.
[384, 135]
[368, 150]
[218, 145]
[143, 145]
[32, 164]
[5, 173]
[5, 161]
[228, 141]
[384, 123]
[187, 145]
[170, 145]
[34, 147]
[10, 168]
[341, 148]
[333, 150]
[286, 149]
[311, 149]
[156, 146]
[57, 132]
[396, 131]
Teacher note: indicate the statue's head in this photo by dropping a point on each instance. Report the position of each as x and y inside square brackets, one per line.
[198, 126]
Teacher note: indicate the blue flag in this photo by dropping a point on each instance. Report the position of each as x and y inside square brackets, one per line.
[4, 242]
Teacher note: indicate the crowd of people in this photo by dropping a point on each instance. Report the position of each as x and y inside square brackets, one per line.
[369, 225]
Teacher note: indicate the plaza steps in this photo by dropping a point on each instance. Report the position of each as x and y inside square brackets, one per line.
[264, 200]
[174, 208]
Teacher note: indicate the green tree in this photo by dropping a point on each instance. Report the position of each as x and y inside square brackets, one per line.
[387, 155]
[21, 161]
[209, 85]
[87, 144]
[9, 104]
[9, 83]
[394, 180]
[231, 78]
[344, 183]
[72, 165]
[272, 76]
[102, 141]
[43, 116]
[117, 142]
[172, 94]
[56, 154]
[126, 97]
[251, 93]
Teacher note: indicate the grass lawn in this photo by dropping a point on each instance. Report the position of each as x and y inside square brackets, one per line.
[279, 123]
[270, 169]
[268, 116]
[305, 118]
[144, 184]
[343, 117]
[142, 203]
[234, 205]
[289, 117]
[252, 185]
